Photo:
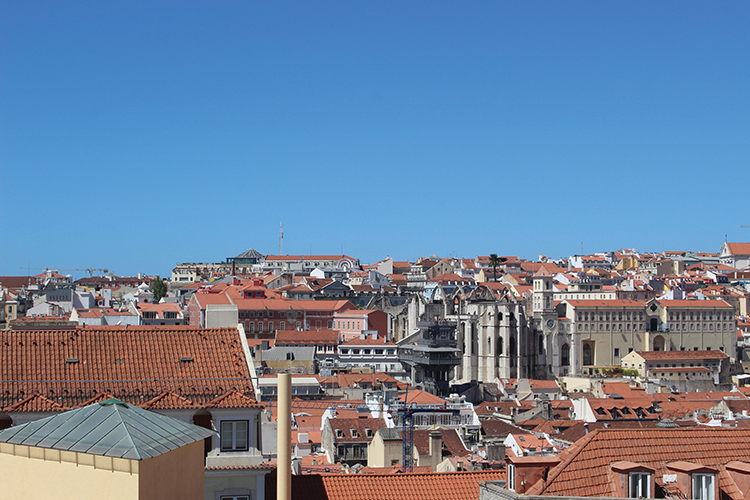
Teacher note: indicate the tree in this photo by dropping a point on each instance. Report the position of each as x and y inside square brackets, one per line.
[158, 288]
[494, 262]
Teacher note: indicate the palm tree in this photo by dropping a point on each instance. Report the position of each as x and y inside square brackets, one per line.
[494, 262]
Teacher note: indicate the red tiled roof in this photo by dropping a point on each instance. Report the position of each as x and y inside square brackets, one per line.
[738, 248]
[36, 403]
[168, 401]
[360, 425]
[451, 442]
[452, 485]
[125, 361]
[695, 303]
[585, 466]
[368, 340]
[662, 355]
[422, 397]
[294, 337]
[233, 399]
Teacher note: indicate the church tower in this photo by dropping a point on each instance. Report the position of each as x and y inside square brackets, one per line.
[545, 320]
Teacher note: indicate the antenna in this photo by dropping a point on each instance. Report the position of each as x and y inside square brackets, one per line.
[281, 235]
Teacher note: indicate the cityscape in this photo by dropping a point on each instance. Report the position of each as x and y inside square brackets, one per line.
[493, 377]
[393, 250]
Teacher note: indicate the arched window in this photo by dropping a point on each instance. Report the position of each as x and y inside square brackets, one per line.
[499, 346]
[540, 347]
[588, 355]
[565, 355]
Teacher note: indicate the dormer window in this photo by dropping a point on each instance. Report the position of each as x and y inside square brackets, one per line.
[703, 486]
[632, 480]
[339, 433]
[354, 432]
[368, 433]
[640, 485]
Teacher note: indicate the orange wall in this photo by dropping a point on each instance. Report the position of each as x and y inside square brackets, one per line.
[178, 474]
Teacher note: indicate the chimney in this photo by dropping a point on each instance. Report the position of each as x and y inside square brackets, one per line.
[284, 438]
[436, 445]
[362, 335]
[297, 466]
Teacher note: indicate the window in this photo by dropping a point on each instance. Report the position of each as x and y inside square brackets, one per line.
[354, 432]
[703, 487]
[234, 435]
[617, 352]
[282, 325]
[511, 477]
[565, 355]
[339, 433]
[588, 355]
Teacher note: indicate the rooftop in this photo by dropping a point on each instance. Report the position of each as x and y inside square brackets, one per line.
[110, 428]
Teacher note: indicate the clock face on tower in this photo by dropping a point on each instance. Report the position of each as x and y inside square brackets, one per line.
[550, 323]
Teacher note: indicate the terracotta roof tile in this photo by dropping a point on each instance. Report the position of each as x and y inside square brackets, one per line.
[233, 399]
[36, 403]
[584, 467]
[453, 485]
[126, 362]
[358, 425]
[168, 400]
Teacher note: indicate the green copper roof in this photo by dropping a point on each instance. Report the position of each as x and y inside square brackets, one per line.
[110, 428]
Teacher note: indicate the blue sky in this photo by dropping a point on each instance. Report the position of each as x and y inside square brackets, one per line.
[136, 135]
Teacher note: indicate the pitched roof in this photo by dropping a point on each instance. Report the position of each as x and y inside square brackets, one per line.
[71, 366]
[664, 355]
[36, 403]
[738, 248]
[250, 253]
[453, 485]
[584, 467]
[110, 428]
[360, 425]
[294, 337]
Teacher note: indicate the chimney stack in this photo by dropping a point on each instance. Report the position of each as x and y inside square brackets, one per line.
[284, 438]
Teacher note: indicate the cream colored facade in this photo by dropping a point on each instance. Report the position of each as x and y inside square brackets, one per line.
[28, 472]
[386, 453]
[604, 331]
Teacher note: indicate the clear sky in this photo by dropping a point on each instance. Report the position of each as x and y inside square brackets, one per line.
[137, 135]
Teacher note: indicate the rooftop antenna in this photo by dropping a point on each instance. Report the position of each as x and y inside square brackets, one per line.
[281, 235]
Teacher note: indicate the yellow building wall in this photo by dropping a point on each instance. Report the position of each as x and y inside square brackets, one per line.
[31, 473]
[382, 454]
[176, 475]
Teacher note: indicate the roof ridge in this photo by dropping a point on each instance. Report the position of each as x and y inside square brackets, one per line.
[570, 453]
[122, 422]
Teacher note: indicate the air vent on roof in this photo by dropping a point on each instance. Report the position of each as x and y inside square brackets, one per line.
[186, 358]
[71, 360]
